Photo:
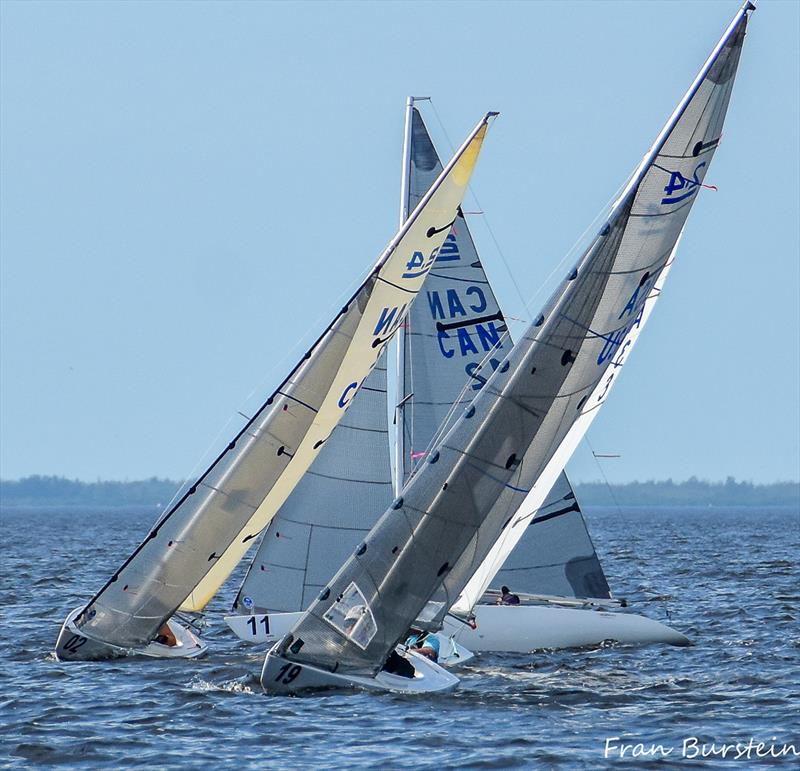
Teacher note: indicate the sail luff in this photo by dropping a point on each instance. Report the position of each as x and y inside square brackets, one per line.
[193, 548]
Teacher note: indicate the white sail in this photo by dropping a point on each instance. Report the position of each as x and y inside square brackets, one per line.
[194, 546]
[438, 532]
[455, 326]
[553, 554]
[332, 508]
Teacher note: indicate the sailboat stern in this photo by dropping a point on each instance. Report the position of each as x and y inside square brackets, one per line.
[279, 676]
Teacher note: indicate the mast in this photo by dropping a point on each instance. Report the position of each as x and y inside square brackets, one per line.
[400, 395]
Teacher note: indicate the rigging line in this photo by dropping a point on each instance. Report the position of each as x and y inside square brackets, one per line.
[603, 473]
[598, 335]
[485, 219]
[639, 576]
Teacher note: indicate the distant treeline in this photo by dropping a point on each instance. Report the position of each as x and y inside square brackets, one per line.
[692, 492]
[57, 491]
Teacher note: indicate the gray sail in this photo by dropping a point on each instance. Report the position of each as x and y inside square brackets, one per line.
[436, 534]
[556, 555]
[332, 508]
[192, 549]
[456, 324]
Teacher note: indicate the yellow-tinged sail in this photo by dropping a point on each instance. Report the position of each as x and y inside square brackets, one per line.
[399, 270]
[192, 549]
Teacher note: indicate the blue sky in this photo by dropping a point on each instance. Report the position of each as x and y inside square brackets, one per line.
[187, 190]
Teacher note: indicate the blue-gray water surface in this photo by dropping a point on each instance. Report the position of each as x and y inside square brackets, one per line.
[728, 578]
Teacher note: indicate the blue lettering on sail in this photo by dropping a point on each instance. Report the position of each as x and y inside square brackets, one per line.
[473, 368]
[449, 251]
[435, 303]
[448, 353]
[489, 336]
[618, 363]
[454, 304]
[481, 306]
[465, 342]
[390, 319]
[615, 339]
[347, 395]
[678, 183]
[419, 265]
[385, 320]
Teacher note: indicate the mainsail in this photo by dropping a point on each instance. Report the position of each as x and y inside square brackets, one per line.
[332, 508]
[194, 546]
[438, 532]
[455, 327]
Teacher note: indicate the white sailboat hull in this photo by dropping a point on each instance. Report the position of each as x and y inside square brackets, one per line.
[262, 627]
[523, 628]
[280, 676]
[271, 627]
[74, 645]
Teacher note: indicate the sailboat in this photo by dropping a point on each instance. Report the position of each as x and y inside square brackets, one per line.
[191, 550]
[448, 334]
[517, 433]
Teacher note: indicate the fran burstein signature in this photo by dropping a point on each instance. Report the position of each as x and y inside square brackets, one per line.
[692, 747]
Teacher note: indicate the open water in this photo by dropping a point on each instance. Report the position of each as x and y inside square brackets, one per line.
[728, 578]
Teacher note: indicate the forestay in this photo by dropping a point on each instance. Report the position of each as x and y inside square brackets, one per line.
[194, 546]
[330, 510]
[434, 537]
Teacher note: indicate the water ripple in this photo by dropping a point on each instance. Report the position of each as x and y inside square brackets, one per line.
[727, 578]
